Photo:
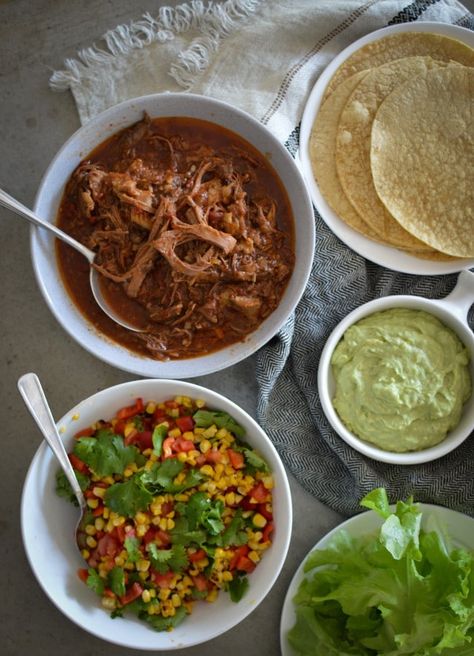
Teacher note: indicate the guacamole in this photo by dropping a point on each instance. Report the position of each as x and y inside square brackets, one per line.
[402, 379]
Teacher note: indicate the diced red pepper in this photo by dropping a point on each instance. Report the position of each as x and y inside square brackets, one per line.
[78, 464]
[119, 427]
[162, 580]
[200, 582]
[119, 533]
[171, 404]
[83, 574]
[214, 456]
[263, 510]
[239, 552]
[267, 531]
[197, 555]
[185, 423]
[131, 410]
[108, 546]
[131, 594]
[183, 445]
[108, 593]
[244, 564]
[144, 440]
[168, 447]
[98, 512]
[259, 493]
[85, 432]
[236, 459]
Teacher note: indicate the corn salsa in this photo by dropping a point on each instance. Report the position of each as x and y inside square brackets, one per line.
[180, 508]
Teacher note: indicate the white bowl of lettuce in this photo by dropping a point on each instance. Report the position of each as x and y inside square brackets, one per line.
[48, 525]
[392, 581]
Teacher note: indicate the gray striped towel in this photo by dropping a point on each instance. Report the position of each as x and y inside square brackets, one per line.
[264, 56]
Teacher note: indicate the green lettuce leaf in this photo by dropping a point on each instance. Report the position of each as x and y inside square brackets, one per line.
[402, 590]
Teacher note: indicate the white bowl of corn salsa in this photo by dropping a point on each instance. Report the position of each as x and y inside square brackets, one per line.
[188, 523]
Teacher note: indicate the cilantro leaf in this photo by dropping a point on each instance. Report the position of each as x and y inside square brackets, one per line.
[206, 418]
[128, 498]
[63, 488]
[202, 511]
[160, 623]
[105, 454]
[116, 581]
[255, 460]
[132, 547]
[182, 534]
[161, 475]
[174, 559]
[238, 587]
[234, 533]
[95, 582]
[159, 434]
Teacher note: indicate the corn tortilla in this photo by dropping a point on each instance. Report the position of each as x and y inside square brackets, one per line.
[422, 157]
[404, 44]
[322, 149]
[353, 147]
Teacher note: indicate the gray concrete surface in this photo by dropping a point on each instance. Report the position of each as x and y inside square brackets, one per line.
[35, 37]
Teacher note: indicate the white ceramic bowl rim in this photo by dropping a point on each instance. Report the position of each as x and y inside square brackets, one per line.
[47, 524]
[77, 148]
[452, 311]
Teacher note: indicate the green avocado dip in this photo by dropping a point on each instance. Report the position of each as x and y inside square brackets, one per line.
[402, 379]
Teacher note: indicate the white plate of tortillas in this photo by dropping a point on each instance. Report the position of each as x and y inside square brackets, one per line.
[387, 147]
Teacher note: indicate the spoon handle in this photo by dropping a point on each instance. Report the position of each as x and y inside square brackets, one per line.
[15, 206]
[35, 400]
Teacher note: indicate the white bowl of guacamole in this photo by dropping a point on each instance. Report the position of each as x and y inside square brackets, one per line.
[396, 375]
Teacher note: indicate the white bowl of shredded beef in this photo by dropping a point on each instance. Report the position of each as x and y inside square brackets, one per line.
[203, 228]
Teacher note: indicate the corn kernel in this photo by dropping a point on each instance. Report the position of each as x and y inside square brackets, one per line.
[182, 456]
[98, 491]
[129, 429]
[204, 446]
[211, 431]
[188, 435]
[254, 556]
[146, 597]
[108, 603]
[176, 600]
[227, 576]
[141, 530]
[164, 593]
[212, 595]
[150, 408]
[163, 524]
[207, 470]
[85, 553]
[91, 542]
[93, 503]
[259, 520]
[99, 523]
[142, 565]
[200, 403]
[170, 524]
[143, 575]
[141, 518]
[119, 561]
[119, 521]
[222, 433]
[91, 529]
[106, 513]
[230, 498]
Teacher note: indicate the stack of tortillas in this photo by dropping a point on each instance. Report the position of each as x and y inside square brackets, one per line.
[392, 146]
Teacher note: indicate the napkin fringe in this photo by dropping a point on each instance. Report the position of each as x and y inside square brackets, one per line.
[214, 21]
[219, 23]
